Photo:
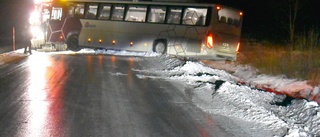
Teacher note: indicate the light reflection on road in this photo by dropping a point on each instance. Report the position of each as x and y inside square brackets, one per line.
[44, 92]
[130, 63]
[113, 61]
[89, 70]
[100, 64]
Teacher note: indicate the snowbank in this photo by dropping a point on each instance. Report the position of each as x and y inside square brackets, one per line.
[11, 56]
[276, 84]
[243, 109]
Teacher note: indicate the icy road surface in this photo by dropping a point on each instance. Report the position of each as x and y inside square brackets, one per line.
[95, 95]
[147, 98]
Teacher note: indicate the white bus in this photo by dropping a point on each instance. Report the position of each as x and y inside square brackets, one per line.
[203, 31]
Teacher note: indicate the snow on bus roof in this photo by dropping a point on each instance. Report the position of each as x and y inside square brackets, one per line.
[173, 3]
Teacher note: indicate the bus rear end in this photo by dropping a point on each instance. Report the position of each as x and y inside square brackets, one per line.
[223, 37]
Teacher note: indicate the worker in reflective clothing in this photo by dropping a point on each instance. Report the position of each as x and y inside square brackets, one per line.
[27, 36]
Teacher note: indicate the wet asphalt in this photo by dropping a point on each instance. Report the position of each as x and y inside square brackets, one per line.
[85, 95]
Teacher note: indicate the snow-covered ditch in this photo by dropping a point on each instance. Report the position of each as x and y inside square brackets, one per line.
[243, 109]
[239, 107]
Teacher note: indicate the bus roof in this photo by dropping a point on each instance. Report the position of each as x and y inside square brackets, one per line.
[169, 3]
[146, 2]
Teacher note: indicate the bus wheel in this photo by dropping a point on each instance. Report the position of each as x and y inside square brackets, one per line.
[72, 43]
[160, 47]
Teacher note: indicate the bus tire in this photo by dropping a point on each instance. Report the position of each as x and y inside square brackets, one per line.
[160, 46]
[73, 43]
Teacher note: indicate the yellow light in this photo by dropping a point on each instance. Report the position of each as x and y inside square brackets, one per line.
[210, 41]
[61, 37]
[145, 44]
[113, 42]
[100, 40]
[238, 47]
[89, 40]
[131, 43]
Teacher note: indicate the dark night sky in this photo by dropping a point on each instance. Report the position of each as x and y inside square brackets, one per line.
[13, 13]
[261, 17]
[264, 19]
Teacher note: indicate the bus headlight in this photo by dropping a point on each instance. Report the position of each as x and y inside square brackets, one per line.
[34, 18]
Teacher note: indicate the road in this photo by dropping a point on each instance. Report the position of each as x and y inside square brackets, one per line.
[82, 95]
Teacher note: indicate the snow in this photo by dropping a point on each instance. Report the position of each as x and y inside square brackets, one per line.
[234, 95]
[113, 52]
[278, 84]
[248, 107]
[118, 74]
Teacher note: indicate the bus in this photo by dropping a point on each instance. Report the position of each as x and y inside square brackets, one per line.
[195, 30]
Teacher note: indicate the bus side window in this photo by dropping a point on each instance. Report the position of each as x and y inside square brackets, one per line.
[136, 13]
[91, 12]
[157, 14]
[79, 10]
[45, 15]
[174, 15]
[56, 13]
[229, 16]
[105, 12]
[201, 21]
[71, 11]
[117, 12]
[195, 16]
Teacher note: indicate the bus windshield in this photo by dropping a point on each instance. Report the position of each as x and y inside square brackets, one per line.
[229, 16]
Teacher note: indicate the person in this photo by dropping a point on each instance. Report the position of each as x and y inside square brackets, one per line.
[27, 36]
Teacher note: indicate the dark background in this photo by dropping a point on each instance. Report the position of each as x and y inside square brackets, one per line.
[263, 19]
[267, 20]
[13, 13]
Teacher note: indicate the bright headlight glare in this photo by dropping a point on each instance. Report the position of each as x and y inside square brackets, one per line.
[34, 18]
[36, 32]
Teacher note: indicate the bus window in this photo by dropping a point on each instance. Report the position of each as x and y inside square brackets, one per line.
[157, 14]
[229, 16]
[56, 13]
[79, 10]
[71, 11]
[174, 15]
[223, 19]
[195, 16]
[105, 12]
[136, 13]
[91, 12]
[45, 15]
[236, 22]
[117, 12]
[230, 21]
